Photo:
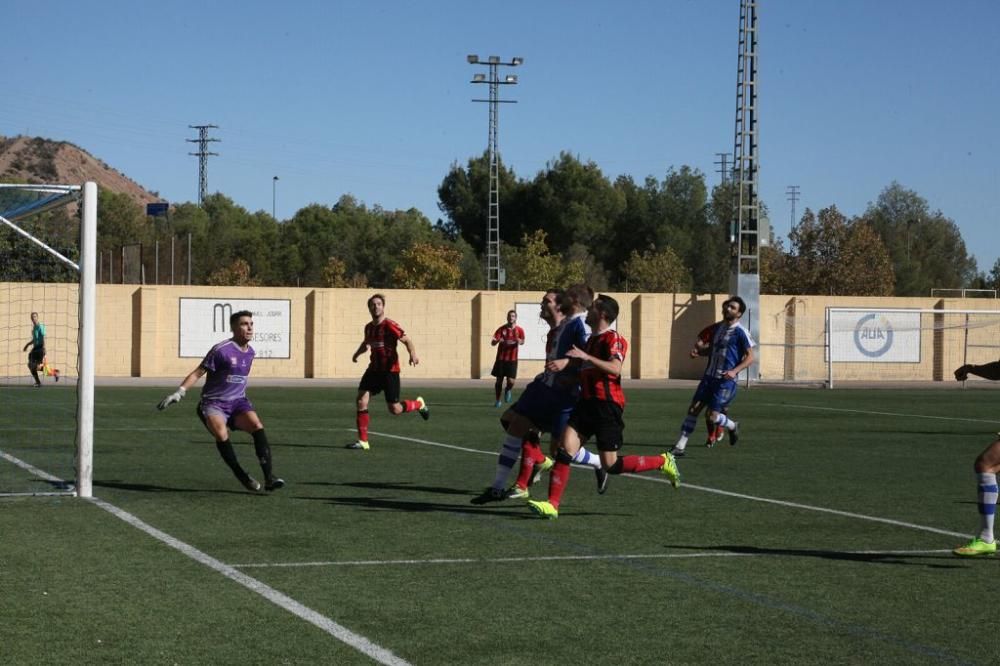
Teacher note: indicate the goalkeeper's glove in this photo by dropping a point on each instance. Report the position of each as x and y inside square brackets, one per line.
[172, 398]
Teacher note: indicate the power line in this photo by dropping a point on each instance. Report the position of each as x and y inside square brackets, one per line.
[202, 156]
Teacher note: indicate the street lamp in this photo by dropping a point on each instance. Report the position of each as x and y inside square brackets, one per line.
[493, 270]
[274, 195]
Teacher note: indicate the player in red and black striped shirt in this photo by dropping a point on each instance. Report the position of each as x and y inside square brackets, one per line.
[599, 412]
[382, 336]
[506, 339]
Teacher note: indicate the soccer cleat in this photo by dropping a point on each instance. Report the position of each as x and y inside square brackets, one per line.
[543, 509]
[677, 452]
[543, 466]
[38, 385]
[274, 483]
[709, 443]
[425, 411]
[490, 495]
[976, 548]
[720, 434]
[508, 395]
[602, 480]
[56, 373]
[516, 492]
[497, 403]
[251, 484]
[670, 469]
[734, 435]
[360, 444]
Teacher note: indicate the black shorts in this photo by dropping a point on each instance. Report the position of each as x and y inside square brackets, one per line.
[599, 419]
[36, 356]
[377, 381]
[504, 369]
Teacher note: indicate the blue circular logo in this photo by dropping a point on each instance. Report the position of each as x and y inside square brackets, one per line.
[873, 335]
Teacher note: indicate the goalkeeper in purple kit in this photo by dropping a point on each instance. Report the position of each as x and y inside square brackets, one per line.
[224, 405]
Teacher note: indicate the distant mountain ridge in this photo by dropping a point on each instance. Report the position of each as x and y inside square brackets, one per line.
[35, 160]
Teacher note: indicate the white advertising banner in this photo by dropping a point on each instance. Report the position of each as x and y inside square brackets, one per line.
[205, 321]
[874, 336]
[535, 331]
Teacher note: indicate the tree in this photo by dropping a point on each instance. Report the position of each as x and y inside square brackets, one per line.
[926, 248]
[237, 274]
[533, 267]
[661, 271]
[427, 266]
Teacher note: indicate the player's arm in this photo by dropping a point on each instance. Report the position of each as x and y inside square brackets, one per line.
[610, 367]
[987, 371]
[362, 348]
[181, 391]
[520, 336]
[410, 349]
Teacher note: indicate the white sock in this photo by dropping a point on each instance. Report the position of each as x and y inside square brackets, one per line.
[987, 497]
[585, 457]
[509, 452]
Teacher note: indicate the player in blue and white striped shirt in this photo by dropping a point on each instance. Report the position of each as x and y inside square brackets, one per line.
[729, 351]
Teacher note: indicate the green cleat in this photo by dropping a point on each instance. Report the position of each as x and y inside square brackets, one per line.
[670, 469]
[543, 466]
[425, 411]
[516, 492]
[543, 509]
[976, 548]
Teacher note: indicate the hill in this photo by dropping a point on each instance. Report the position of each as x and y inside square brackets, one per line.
[32, 160]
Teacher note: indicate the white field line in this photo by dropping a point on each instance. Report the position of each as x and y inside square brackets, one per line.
[554, 558]
[873, 413]
[717, 491]
[341, 633]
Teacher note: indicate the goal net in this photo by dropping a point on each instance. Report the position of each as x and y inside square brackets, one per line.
[47, 301]
[864, 345]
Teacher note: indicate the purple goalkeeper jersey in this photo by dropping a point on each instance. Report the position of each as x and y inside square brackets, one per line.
[228, 368]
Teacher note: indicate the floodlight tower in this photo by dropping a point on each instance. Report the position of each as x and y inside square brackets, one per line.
[493, 214]
[202, 156]
[744, 232]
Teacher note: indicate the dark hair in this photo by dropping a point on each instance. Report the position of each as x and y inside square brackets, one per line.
[738, 301]
[579, 293]
[235, 317]
[373, 297]
[607, 306]
[511, 312]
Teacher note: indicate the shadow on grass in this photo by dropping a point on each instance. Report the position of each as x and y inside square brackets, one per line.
[150, 488]
[371, 485]
[843, 556]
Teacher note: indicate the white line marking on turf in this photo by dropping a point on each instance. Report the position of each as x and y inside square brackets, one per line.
[871, 413]
[717, 491]
[550, 558]
[341, 633]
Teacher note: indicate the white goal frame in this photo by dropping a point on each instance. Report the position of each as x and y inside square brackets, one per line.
[942, 355]
[87, 311]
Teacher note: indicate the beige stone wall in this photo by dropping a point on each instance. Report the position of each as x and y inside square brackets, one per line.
[137, 332]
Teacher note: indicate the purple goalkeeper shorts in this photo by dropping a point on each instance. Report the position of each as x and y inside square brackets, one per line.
[228, 409]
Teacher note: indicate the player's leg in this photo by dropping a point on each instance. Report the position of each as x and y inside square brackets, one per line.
[570, 443]
[214, 416]
[363, 418]
[248, 421]
[516, 428]
[33, 361]
[719, 405]
[987, 466]
[511, 372]
[497, 390]
[397, 406]
[691, 418]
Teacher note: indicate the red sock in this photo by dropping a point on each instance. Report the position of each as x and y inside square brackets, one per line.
[557, 482]
[531, 455]
[719, 431]
[410, 406]
[363, 419]
[640, 463]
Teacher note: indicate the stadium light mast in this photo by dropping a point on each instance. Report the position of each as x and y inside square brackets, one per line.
[744, 231]
[493, 270]
[202, 156]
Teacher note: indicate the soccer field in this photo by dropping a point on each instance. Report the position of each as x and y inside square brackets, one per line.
[824, 536]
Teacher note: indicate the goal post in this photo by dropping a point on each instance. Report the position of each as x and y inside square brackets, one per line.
[47, 267]
[868, 344]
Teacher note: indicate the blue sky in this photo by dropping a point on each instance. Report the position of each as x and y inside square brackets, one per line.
[373, 98]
